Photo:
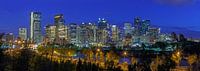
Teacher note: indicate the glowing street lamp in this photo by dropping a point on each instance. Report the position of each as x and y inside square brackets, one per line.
[125, 54]
[176, 57]
[178, 53]
[97, 54]
[98, 50]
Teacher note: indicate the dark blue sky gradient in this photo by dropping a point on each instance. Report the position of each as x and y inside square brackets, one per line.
[172, 13]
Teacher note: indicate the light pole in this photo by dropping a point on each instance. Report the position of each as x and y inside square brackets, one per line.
[97, 54]
[98, 50]
[125, 54]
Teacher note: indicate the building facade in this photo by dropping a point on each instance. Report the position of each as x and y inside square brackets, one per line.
[145, 26]
[137, 26]
[61, 28]
[115, 33]
[50, 32]
[23, 34]
[153, 34]
[73, 33]
[35, 27]
[103, 32]
[127, 28]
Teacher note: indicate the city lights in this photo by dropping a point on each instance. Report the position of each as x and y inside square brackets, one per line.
[137, 46]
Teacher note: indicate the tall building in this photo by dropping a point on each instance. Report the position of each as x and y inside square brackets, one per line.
[61, 29]
[8, 38]
[137, 26]
[153, 34]
[103, 32]
[50, 32]
[58, 32]
[145, 26]
[115, 33]
[78, 34]
[87, 34]
[23, 33]
[73, 33]
[127, 28]
[84, 34]
[59, 19]
[35, 26]
[91, 28]
[103, 36]
[102, 24]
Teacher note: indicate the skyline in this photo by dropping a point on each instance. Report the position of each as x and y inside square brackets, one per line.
[99, 35]
[169, 13]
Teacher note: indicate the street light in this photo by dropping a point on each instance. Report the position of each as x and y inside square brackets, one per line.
[125, 54]
[98, 50]
[97, 54]
[178, 53]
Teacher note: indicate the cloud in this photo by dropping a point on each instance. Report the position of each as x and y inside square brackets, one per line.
[177, 2]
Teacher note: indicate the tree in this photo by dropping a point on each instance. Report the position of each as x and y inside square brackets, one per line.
[176, 57]
[110, 56]
[191, 59]
[133, 60]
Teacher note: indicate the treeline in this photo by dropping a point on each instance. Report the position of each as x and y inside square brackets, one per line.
[27, 60]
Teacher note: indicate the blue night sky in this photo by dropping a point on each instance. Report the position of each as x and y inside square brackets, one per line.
[170, 13]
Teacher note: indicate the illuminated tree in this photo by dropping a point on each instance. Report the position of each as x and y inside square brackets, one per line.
[153, 66]
[191, 59]
[70, 53]
[101, 55]
[133, 60]
[176, 57]
[116, 59]
[109, 56]
[124, 66]
[91, 55]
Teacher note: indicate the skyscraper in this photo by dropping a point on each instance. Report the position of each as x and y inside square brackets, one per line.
[35, 26]
[73, 33]
[91, 28]
[137, 26]
[102, 32]
[23, 33]
[145, 26]
[115, 33]
[61, 29]
[50, 32]
[102, 24]
[127, 28]
[153, 34]
[59, 19]
[84, 35]
[87, 34]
